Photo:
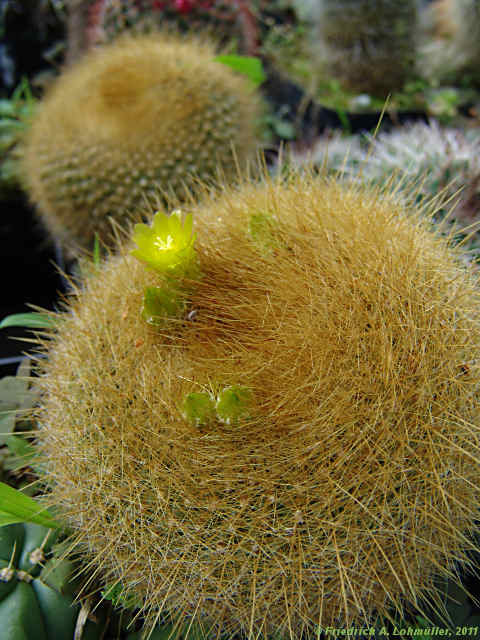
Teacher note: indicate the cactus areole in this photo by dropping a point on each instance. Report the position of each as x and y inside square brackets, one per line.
[297, 443]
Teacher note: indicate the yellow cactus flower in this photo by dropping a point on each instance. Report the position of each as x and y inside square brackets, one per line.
[166, 246]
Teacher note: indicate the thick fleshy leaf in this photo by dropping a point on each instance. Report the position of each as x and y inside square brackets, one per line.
[21, 616]
[24, 452]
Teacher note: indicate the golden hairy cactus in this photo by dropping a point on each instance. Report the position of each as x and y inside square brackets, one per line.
[144, 114]
[341, 335]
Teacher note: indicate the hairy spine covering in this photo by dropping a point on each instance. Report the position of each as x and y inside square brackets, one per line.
[350, 476]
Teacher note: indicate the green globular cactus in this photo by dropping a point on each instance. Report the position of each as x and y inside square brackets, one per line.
[301, 453]
[334, 152]
[142, 117]
[36, 591]
[369, 45]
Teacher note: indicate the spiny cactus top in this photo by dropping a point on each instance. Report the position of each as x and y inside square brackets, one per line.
[294, 442]
[143, 114]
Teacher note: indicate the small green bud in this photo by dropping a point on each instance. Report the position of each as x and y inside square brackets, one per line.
[159, 304]
[261, 227]
[199, 408]
[232, 403]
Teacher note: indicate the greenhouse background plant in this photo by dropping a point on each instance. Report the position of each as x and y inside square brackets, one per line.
[161, 113]
[465, 18]
[440, 157]
[348, 479]
[15, 116]
[369, 45]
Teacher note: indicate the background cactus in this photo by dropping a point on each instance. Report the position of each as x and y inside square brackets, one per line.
[465, 17]
[449, 48]
[369, 45]
[143, 114]
[350, 478]
[440, 158]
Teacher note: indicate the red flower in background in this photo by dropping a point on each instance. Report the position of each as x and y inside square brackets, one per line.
[182, 6]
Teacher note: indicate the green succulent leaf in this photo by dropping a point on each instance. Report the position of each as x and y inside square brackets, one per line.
[161, 303]
[15, 506]
[166, 246]
[7, 423]
[247, 65]
[199, 408]
[28, 320]
[233, 403]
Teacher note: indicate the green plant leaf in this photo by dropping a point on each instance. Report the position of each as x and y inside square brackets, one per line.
[15, 506]
[232, 403]
[199, 408]
[25, 452]
[247, 65]
[7, 108]
[7, 423]
[28, 320]
[15, 396]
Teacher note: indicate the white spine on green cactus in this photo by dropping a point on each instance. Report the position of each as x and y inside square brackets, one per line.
[335, 152]
[425, 150]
